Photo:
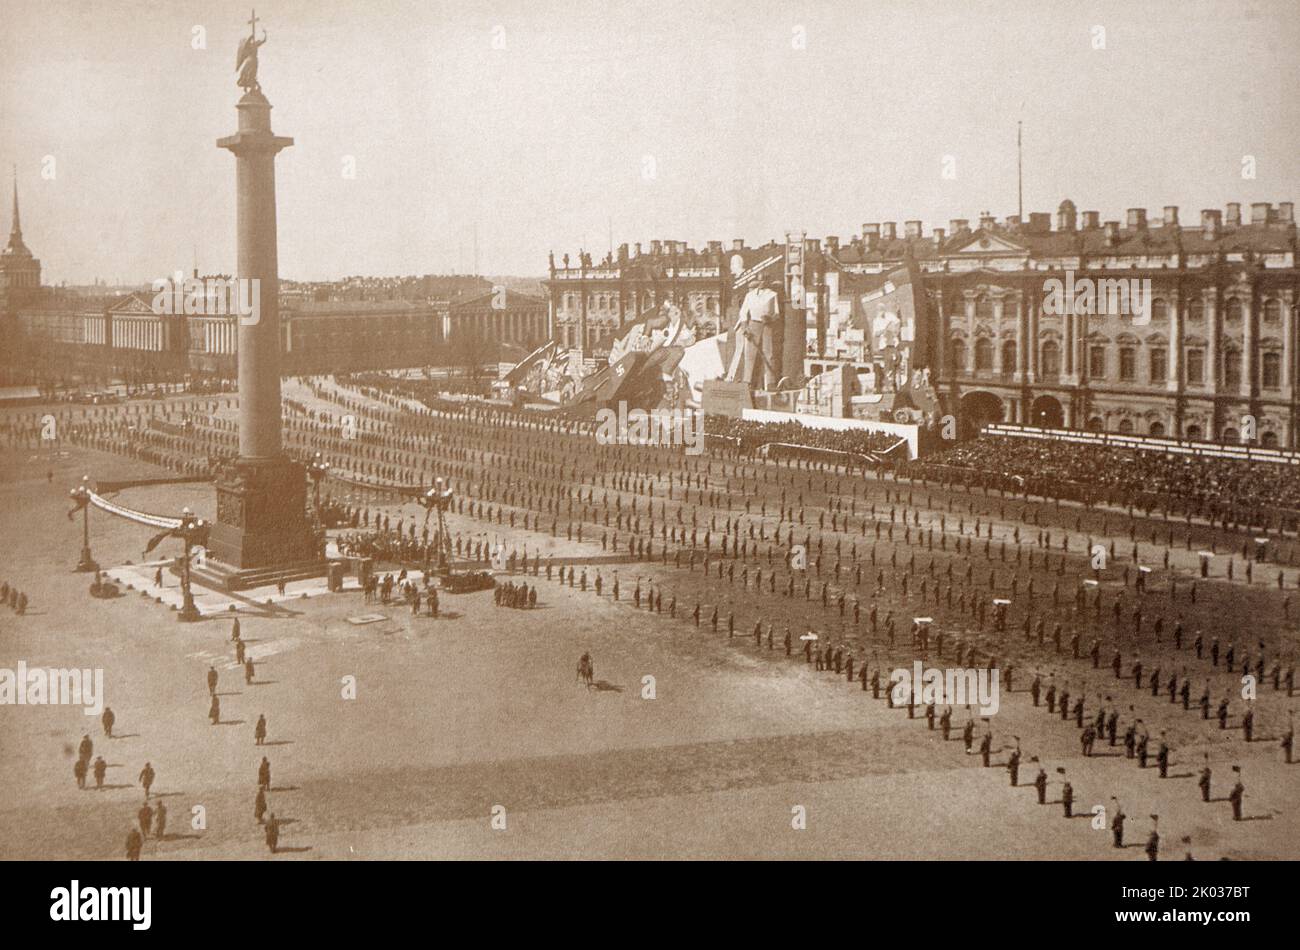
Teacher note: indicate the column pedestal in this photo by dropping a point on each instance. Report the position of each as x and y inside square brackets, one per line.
[261, 534]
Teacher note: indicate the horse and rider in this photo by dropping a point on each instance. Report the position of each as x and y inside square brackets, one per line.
[586, 670]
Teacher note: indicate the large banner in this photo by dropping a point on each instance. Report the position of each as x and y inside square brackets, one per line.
[894, 339]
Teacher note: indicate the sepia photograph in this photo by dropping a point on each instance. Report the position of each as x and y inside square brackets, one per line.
[580, 432]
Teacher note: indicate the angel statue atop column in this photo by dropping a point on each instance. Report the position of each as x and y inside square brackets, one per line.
[246, 58]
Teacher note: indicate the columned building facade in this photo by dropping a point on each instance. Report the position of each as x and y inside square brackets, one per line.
[501, 316]
[1162, 328]
[1205, 350]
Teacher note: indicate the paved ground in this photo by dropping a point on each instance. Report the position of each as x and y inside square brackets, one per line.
[480, 709]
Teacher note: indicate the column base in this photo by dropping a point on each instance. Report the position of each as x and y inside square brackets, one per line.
[262, 533]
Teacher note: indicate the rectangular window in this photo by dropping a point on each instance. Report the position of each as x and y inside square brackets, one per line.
[1127, 364]
[1159, 366]
[1097, 362]
[1232, 368]
[1195, 367]
[1271, 370]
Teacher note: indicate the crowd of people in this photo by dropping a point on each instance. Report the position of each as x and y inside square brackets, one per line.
[519, 596]
[1233, 489]
[384, 590]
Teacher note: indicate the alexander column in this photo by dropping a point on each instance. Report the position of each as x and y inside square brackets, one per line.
[262, 532]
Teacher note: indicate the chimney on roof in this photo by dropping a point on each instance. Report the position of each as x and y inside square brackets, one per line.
[912, 229]
[1259, 212]
[1040, 222]
[1233, 218]
[655, 247]
[1112, 232]
[1012, 222]
[737, 244]
[715, 247]
[1137, 219]
[1286, 212]
[622, 252]
[1211, 222]
[888, 231]
[832, 244]
[956, 225]
[638, 249]
[938, 237]
[988, 221]
[1171, 216]
[871, 235]
[1091, 220]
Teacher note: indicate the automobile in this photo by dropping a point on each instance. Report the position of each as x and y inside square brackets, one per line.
[467, 582]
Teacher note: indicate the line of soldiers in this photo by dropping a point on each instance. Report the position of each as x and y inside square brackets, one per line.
[510, 594]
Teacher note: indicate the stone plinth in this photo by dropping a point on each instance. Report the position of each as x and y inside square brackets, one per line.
[261, 517]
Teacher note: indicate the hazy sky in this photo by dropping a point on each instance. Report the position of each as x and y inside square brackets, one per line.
[754, 117]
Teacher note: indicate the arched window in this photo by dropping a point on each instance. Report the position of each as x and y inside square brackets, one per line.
[983, 355]
[1051, 359]
[1230, 435]
[1273, 312]
[1159, 309]
[1192, 433]
[1157, 429]
[1196, 310]
[1268, 440]
[983, 308]
[1232, 310]
[1009, 356]
[1126, 426]
[1096, 424]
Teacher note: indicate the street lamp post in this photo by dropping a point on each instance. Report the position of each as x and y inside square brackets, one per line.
[438, 498]
[81, 495]
[191, 529]
[317, 469]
